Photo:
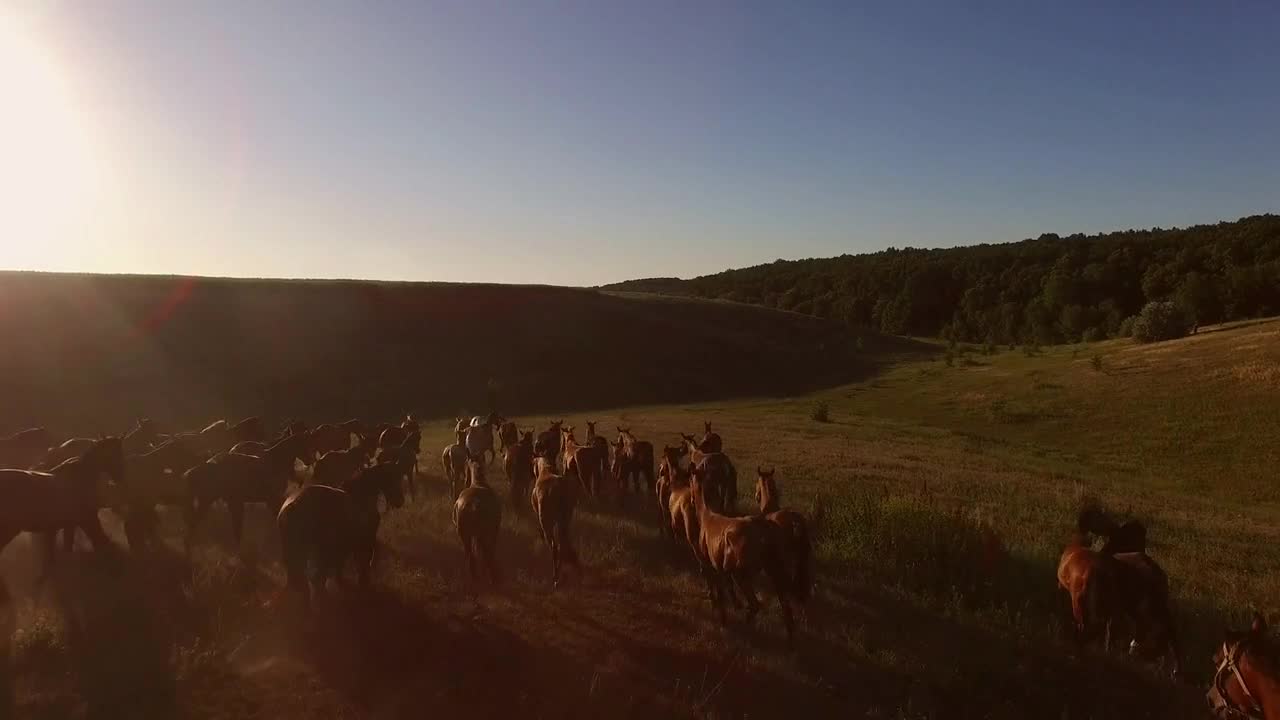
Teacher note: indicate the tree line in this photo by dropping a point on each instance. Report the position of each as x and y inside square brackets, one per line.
[1045, 290]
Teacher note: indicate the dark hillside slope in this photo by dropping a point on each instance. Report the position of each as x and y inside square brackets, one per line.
[86, 353]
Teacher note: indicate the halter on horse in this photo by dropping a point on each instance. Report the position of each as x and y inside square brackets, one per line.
[1247, 703]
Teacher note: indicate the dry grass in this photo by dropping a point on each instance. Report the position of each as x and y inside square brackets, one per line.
[943, 512]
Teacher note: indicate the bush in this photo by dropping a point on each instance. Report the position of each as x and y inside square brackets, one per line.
[1126, 327]
[820, 413]
[1093, 334]
[1161, 321]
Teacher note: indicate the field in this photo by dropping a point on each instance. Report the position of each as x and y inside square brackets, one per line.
[922, 460]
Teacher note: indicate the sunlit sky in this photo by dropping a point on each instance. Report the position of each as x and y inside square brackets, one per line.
[587, 142]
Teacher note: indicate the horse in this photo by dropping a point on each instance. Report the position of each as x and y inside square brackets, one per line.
[248, 429]
[141, 438]
[405, 459]
[732, 551]
[454, 459]
[1246, 683]
[793, 533]
[508, 435]
[336, 467]
[68, 449]
[477, 515]
[24, 448]
[547, 443]
[1131, 536]
[553, 499]
[65, 497]
[517, 463]
[671, 477]
[237, 479]
[326, 525]
[637, 461]
[1105, 589]
[153, 478]
[480, 435]
[588, 463]
[594, 440]
[329, 437]
[711, 442]
[214, 438]
[721, 477]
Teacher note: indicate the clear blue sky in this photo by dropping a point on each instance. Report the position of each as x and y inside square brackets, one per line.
[588, 142]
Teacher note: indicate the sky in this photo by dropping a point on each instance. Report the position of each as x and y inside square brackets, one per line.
[582, 143]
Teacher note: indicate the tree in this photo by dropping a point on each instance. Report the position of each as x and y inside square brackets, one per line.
[1161, 321]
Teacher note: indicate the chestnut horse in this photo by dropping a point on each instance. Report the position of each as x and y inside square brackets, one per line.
[517, 463]
[477, 514]
[588, 463]
[25, 448]
[670, 476]
[553, 500]
[480, 435]
[324, 526]
[720, 476]
[637, 461]
[508, 435]
[65, 497]
[732, 551]
[547, 443]
[454, 459]
[237, 479]
[1105, 589]
[793, 532]
[336, 467]
[1246, 683]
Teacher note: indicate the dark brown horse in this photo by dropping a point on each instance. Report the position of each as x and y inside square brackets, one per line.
[454, 460]
[477, 514]
[324, 526]
[793, 533]
[1246, 683]
[553, 500]
[405, 459]
[154, 478]
[336, 467]
[517, 463]
[1130, 536]
[237, 479]
[586, 463]
[733, 551]
[65, 497]
[711, 442]
[68, 449]
[214, 438]
[720, 476]
[25, 448]
[250, 429]
[636, 464]
[1108, 589]
[670, 478]
[141, 438]
[329, 437]
[547, 444]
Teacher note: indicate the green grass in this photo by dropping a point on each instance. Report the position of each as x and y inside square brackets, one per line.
[942, 495]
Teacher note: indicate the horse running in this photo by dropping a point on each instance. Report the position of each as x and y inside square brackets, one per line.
[477, 514]
[547, 443]
[65, 497]
[587, 462]
[793, 533]
[719, 475]
[237, 479]
[508, 435]
[553, 500]
[636, 464]
[1246, 683]
[325, 526]
[732, 551]
[480, 436]
[1106, 589]
[517, 463]
[454, 460]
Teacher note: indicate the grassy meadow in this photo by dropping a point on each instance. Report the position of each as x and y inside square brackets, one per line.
[942, 490]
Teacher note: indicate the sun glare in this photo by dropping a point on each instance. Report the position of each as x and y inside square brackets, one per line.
[47, 168]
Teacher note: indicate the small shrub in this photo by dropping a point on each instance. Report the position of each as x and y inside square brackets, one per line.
[1160, 321]
[820, 413]
[1126, 327]
[1096, 362]
[1093, 334]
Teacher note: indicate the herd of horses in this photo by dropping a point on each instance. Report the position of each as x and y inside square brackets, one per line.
[329, 518]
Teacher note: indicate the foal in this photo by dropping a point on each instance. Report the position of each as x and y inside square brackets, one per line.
[477, 514]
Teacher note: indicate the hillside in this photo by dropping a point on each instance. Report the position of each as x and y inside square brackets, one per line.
[918, 465]
[91, 353]
[1048, 290]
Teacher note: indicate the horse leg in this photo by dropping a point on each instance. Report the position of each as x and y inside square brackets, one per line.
[782, 586]
[744, 583]
[92, 527]
[49, 543]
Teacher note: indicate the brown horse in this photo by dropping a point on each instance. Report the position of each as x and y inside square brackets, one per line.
[405, 459]
[325, 526]
[237, 479]
[517, 463]
[793, 533]
[594, 439]
[508, 435]
[553, 499]
[588, 463]
[141, 438]
[477, 514]
[711, 442]
[1107, 589]
[636, 464]
[329, 437]
[65, 497]
[68, 449]
[721, 477]
[733, 551]
[214, 438]
[674, 502]
[249, 429]
[153, 479]
[454, 460]
[336, 467]
[1246, 683]
[25, 448]
[547, 444]
[1131, 536]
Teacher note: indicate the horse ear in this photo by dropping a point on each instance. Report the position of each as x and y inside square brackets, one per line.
[706, 425]
[1259, 626]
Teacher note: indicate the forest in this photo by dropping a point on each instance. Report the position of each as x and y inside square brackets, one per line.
[1046, 290]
